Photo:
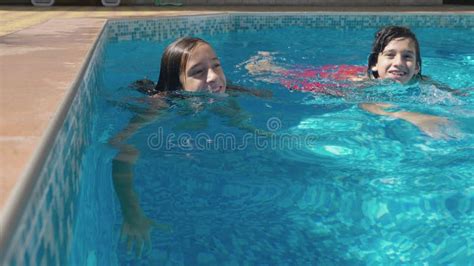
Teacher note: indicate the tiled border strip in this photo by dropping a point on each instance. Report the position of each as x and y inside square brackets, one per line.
[170, 27]
[173, 27]
[40, 241]
[47, 183]
[349, 20]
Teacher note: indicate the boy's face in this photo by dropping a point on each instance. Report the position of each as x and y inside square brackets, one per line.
[203, 71]
[398, 61]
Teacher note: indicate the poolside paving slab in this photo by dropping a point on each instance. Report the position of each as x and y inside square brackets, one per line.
[38, 68]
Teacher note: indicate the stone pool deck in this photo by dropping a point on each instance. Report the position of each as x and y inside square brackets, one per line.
[42, 51]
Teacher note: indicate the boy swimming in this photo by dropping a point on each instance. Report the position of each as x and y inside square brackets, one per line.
[395, 55]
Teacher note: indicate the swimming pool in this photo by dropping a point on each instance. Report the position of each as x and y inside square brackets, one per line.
[353, 188]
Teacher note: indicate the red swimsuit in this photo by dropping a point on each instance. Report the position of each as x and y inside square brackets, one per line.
[331, 77]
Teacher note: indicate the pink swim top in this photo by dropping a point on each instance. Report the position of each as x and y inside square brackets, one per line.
[330, 78]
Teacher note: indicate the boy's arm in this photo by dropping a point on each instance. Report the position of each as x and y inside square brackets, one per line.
[443, 87]
[429, 124]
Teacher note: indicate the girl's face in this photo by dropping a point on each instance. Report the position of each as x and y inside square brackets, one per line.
[203, 71]
[398, 61]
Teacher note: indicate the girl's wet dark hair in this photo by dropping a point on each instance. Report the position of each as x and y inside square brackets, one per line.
[173, 63]
[382, 38]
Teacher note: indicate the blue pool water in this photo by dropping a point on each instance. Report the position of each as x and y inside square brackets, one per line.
[352, 188]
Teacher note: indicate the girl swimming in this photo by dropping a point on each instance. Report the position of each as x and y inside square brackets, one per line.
[188, 64]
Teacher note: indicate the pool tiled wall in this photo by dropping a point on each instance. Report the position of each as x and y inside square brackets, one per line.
[170, 28]
[359, 21]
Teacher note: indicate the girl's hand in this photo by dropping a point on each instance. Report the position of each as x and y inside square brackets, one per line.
[136, 231]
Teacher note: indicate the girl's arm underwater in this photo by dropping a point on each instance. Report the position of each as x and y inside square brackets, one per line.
[235, 90]
[237, 117]
[136, 226]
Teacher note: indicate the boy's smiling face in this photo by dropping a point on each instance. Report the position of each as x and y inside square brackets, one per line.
[398, 61]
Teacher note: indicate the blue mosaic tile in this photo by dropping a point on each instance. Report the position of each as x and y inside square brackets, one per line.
[165, 28]
[173, 27]
[346, 21]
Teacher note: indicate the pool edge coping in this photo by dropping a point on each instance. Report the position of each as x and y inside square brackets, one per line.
[13, 209]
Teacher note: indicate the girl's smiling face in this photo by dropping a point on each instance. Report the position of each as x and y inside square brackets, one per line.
[203, 71]
[398, 61]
